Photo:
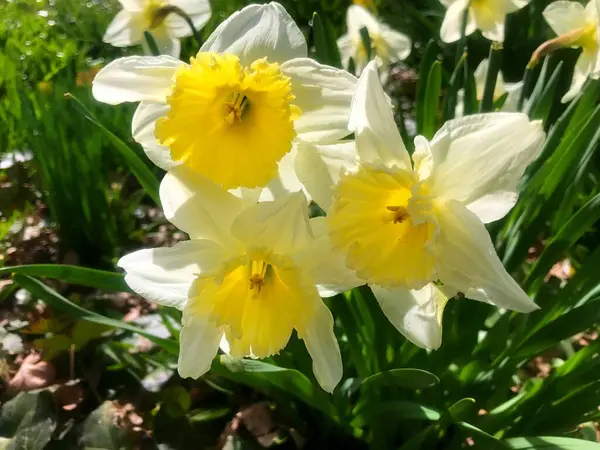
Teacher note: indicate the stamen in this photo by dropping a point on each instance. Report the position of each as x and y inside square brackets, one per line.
[234, 110]
[400, 213]
[258, 272]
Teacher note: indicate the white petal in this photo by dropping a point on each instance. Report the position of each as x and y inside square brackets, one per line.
[482, 154]
[417, 314]
[400, 45]
[166, 44]
[134, 79]
[371, 119]
[280, 225]
[324, 95]
[514, 93]
[286, 180]
[124, 30]
[422, 158]
[324, 265]
[258, 31]
[142, 129]
[493, 206]
[132, 5]
[198, 206]
[319, 167]
[323, 348]
[451, 26]
[164, 275]
[347, 49]
[493, 32]
[358, 17]
[199, 11]
[583, 68]
[565, 16]
[469, 263]
[198, 345]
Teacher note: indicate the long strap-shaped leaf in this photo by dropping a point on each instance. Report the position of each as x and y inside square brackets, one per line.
[53, 298]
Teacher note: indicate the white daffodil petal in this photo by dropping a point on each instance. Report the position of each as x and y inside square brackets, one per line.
[346, 47]
[324, 95]
[469, 264]
[199, 207]
[286, 180]
[422, 158]
[142, 130]
[164, 275]
[258, 31]
[134, 79]
[494, 206]
[417, 314]
[512, 99]
[319, 168]
[358, 17]
[132, 5]
[198, 345]
[199, 11]
[324, 265]
[372, 121]
[166, 44]
[451, 26]
[323, 348]
[399, 45]
[281, 225]
[583, 68]
[124, 30]
[493, 32]
[478, 155]
[565, 16]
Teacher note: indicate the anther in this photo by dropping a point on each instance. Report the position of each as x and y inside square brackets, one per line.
[400, 213]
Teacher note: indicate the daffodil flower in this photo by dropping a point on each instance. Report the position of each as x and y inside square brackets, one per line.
[488, 16]
[252, 272]
[157, 18]
[512, 90]
[238, 107]
[414, 228]
[579, 27]
[391, 46]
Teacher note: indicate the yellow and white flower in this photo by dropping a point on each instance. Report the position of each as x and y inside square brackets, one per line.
[513, 90]
[580, 27]
[238, 107]
[251, 272]
[405, 224]
[391, 46]
[488, 16]
[156, 17]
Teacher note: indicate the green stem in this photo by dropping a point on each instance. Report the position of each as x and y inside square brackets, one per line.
[188, 20]
[527, 80]
[462, 43]
[151, 43]
[495, 59]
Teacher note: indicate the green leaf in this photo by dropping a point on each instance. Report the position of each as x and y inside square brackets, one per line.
[100, 279]
[29, 420]
[429, 57]
[481, 438]
[326, 49]
[138, 167]
[549, 443]
[541, 104]
[394, 410]
[567, 325]
[461, 408]
[54, 299]
[406, 378]
[366, 42]
[100, 430]
[453, 88]
[269, 378]
[432, 98]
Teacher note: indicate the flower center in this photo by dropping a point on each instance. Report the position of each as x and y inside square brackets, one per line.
[230, 123]
[258, 300]
[153, 13]
[384, 220]
[588, 39]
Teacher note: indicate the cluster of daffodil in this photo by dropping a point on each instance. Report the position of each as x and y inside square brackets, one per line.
[251, 131]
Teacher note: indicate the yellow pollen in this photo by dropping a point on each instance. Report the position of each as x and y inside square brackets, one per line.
[399, 213]
[227, 122]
